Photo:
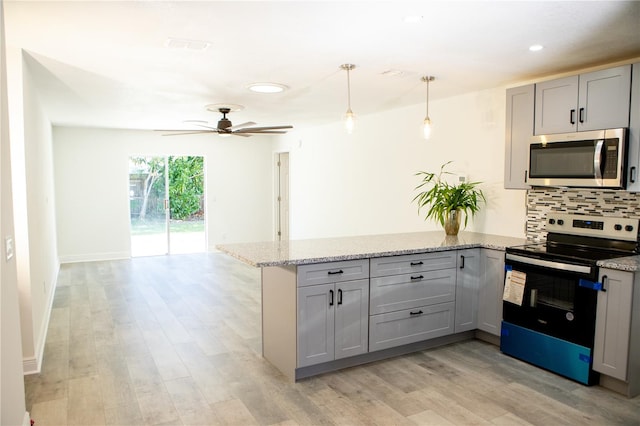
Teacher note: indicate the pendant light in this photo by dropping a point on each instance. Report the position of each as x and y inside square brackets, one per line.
[426, 124]
[349, 116]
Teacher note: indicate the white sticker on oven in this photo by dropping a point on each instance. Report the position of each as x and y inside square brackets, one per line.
[514, 287]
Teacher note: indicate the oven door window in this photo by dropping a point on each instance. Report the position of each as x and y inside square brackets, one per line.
[555, 304]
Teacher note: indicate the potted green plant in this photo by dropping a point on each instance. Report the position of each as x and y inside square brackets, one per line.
[446, 203]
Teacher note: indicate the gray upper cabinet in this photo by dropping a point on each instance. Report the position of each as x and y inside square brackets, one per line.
[633, 168]
[591, 101]
[518, 133]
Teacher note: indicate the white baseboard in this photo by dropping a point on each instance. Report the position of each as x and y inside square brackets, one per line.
[95, 257]
[26, 421]
[30, 366]
[33, 365]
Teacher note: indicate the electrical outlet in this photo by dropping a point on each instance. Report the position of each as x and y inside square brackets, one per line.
[8, 248]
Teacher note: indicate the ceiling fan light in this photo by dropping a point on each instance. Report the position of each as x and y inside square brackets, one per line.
[267, 87]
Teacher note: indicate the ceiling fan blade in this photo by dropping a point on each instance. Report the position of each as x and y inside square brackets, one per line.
[239, 126]
[191, 132]
[244, 135]
[259, 129]
[206, 126]
[263, 132]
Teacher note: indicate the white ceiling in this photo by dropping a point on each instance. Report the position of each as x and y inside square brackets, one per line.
[107, 64]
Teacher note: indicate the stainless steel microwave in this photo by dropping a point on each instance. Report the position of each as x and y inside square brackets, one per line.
[594, 159]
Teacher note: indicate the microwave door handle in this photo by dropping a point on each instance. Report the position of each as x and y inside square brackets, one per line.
[598, 160]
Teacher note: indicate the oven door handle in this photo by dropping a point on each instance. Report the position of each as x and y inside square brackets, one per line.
[549, 263]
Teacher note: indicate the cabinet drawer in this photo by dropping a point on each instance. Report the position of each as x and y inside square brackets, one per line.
[332, 272]
[411, 325]
[406, 291]
[406, 264]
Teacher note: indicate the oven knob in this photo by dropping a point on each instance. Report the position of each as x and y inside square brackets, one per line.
[552, 221]
[560, 222]
[628, 228]
[617, 227]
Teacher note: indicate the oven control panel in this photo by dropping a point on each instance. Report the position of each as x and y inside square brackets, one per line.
[619, 228]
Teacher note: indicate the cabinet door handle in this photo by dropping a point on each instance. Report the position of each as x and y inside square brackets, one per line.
[526, 175]
[417, 277]
[632, 174]
[604, 281]
[339, 296]
[572, 116]
[416, 263]
[581, 115]
[416, 313]
[331, 298]
[336, 272]
[461, 261]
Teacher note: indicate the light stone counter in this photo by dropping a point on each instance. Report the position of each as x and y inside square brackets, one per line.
[300, 252]
[629, 263]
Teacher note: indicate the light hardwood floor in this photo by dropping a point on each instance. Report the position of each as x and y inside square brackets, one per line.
[176, 340]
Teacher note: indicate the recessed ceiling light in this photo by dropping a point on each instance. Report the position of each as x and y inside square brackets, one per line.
[412, 19]
[267, 87]
[536, 47]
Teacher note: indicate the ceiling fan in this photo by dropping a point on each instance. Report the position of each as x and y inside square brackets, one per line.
[226, 128]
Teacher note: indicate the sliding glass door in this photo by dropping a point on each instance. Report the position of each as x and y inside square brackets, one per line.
[166, 196]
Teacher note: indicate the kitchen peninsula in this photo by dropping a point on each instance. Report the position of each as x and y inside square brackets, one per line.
[332, 303]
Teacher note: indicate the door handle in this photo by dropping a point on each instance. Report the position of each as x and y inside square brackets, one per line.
[461, 261]
[331, 298]
[581, 115]
[605, 279]
[339, 296]
[632, 174]
[572, 116]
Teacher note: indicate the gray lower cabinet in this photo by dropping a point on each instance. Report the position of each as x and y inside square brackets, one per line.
[414, 306]
[325, 316]
[490, 291]
[410, 325]
[617, 339]
[467, 284]
[332, 318]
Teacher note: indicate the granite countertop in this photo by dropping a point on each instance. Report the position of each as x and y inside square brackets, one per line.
[629, 263]
[300, 252]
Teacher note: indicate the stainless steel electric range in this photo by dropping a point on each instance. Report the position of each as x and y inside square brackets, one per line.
[552, 324]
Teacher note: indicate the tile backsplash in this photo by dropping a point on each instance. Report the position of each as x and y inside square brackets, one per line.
[541, 201]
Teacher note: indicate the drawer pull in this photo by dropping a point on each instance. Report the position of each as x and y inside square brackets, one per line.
[419, 277]
[416, 263]
[336, 272]
[416, 313]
